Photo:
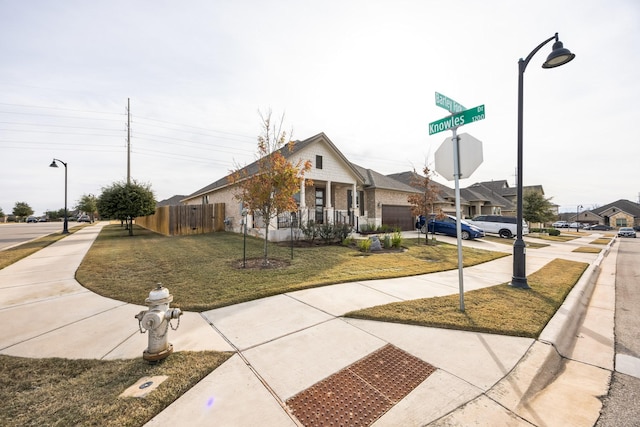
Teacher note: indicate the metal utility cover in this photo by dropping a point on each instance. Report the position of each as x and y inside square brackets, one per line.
[470, 157]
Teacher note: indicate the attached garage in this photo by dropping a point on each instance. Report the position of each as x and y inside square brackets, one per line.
[398, 216]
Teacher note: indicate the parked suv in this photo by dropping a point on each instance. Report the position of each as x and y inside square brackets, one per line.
[504, 226]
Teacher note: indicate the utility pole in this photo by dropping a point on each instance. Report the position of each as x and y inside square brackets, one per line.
[128, 142]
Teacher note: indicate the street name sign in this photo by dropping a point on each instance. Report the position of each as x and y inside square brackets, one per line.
[459, 119]
[448, 104]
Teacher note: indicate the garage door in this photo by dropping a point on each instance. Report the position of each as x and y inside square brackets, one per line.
[398, 216]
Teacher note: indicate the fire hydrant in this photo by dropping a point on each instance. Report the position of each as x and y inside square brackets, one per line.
[156, 321]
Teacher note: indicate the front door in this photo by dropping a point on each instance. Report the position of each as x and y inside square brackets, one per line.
[320, 194]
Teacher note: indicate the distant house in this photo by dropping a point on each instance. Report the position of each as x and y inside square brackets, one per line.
[621, 213]
[171, 201]
[343, 192]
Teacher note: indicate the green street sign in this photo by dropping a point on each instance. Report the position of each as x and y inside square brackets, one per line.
[448, 104]
[459, 119]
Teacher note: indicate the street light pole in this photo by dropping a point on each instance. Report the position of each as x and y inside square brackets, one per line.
[65, 226]
[558, 56]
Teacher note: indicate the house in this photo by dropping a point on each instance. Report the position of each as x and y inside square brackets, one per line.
[343, 192]
[621, 213]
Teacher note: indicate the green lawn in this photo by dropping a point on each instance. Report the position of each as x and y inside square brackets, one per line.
[205, 271]
[499, 309]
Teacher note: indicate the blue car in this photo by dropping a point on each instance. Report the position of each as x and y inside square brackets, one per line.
[447, 225]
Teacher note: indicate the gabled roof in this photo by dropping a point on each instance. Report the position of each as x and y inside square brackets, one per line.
[489, 194]
[298, 146]
[622, 204]
[445, 194]
[171, 201]
[374, 179]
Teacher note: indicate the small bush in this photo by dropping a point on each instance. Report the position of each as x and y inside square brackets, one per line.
[387, 241]
[341, 231]
[310, 231]
[364, 245]
[553, 232]
[325, 231]
[396, 239]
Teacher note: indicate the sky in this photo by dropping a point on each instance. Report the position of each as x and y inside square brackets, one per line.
[198, 72]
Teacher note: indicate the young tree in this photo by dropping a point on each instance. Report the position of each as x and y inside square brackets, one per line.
[22, 209]
[536, 208]
[269, 190]
[422, 203]
[126, 201]
[88, 204]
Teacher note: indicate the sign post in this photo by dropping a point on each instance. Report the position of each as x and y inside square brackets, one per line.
[459, 117]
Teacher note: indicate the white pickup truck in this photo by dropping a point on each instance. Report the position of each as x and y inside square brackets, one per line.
[504, 226]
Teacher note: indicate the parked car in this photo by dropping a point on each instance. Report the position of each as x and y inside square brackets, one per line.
[560, 224]
[577, 225]
[84, 218]
[626, 232]
[32, 219]
[504, 226]
[447, 225]
[600, 227]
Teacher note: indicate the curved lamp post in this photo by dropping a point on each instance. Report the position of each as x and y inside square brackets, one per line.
[65, 227]
[558, 56]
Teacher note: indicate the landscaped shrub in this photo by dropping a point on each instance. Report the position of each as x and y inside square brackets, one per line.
[325, 231]
[553, 232]
[364, 245]
[396, 239]
[387, 241]
[341, 231]
[310, 231]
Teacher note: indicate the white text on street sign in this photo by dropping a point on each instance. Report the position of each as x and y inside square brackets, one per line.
[448, 104]
[456, 120]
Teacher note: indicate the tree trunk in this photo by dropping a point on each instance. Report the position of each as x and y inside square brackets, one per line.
[265, 261]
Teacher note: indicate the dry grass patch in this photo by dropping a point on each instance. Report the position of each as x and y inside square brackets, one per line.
[509, 242]
[601, 241]
[63, 392]
[498, 309]
[587, 249]
[560, 238]
[201, 270]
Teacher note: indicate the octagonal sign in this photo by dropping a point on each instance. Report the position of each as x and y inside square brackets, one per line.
[470, 157]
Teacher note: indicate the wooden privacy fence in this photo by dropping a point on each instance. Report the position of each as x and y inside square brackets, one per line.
[181, 220]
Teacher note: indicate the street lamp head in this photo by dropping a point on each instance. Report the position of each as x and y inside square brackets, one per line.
[53, 164]
[558, 56]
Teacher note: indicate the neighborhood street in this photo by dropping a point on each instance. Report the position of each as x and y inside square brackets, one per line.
[620, 406]
[12, 234]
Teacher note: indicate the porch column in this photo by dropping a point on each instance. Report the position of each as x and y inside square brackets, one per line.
[303, 203]
[354, 200]
[328, 190]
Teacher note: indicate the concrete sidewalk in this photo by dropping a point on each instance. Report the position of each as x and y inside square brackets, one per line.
[287, 343]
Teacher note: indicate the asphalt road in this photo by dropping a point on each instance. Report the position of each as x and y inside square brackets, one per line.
[12, 234]
[621, 405]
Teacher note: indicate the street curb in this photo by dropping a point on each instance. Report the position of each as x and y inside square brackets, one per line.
[544, 360]
[561, 330]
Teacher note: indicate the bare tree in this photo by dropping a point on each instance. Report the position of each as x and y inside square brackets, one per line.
[422, 203]
[269, 190]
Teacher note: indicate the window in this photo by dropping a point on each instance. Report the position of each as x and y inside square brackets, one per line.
[621, 222]
[318, 162]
